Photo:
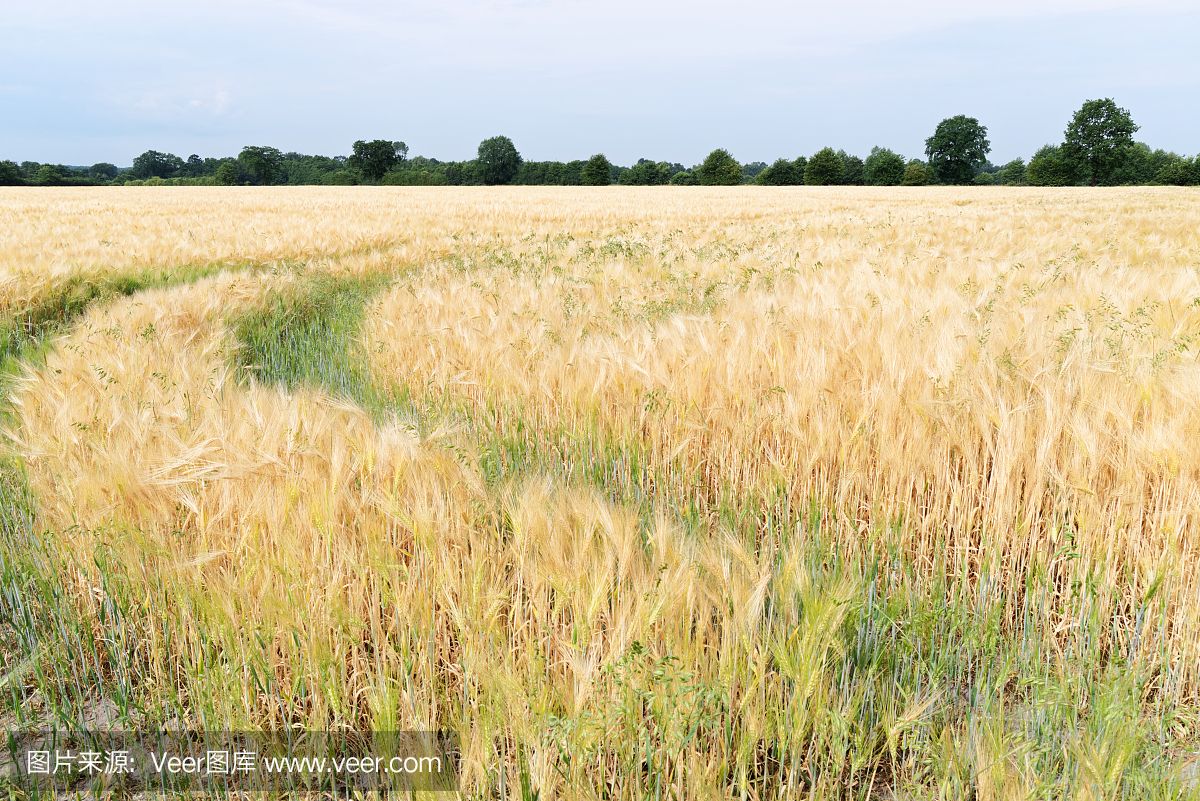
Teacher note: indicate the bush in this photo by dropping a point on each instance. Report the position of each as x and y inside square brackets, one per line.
[825, 168]
[684, 178]
[410, 177]
[342, 178]
[984, 179]
[915, 174]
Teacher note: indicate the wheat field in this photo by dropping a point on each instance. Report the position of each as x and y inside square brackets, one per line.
[644, 492]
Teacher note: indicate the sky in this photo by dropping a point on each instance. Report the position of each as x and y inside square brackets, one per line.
[85, 82]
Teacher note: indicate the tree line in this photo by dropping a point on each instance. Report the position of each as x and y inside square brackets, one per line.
[1098, 149]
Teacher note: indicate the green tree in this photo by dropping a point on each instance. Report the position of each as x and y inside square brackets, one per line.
[781, 173]
[1098, 137]
[883, 168]
[597, 171]
[824, 168]
[153, 164]
[915, 174]
[498, 160]
[373, 159]
[413, 177]
[1184, 172]
[719, 169]
[193, 167]
[684, 178]
[49, 175]
[10, 174]
[647, 173]
[1050, 166]
[751, 171]
[1141, 165]
[103, 171]
[1013, 172]
[342, 178]
[264, 163]
[957, 149]
[852, 169]
[227, 174]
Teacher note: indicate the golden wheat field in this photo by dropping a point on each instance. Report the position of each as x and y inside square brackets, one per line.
[645, 492]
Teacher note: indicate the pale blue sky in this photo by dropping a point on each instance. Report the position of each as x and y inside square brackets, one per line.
[82, 82]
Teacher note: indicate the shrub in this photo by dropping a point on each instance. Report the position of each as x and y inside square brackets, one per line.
[342, 178]
[915, 174]
[409, 177]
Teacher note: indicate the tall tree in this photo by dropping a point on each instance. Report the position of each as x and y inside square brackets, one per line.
[373, 159]
[957, 149]
[1098, 137]
[499, 160]
[720, 169]
[597, 171]
[266, 163]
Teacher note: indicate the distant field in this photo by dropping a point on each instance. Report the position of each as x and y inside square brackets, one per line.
[645, 492]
